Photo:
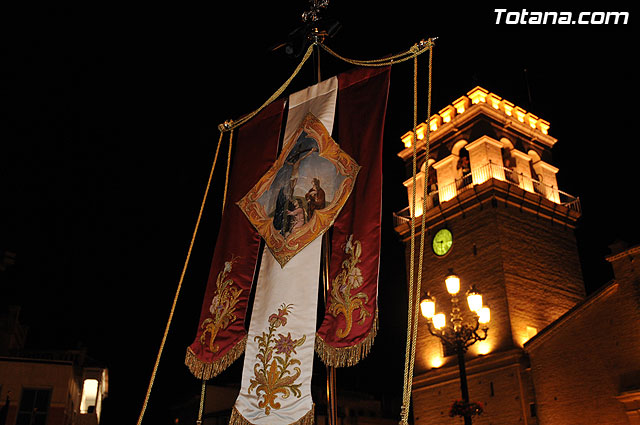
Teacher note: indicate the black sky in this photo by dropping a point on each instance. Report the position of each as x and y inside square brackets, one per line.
[109, 117]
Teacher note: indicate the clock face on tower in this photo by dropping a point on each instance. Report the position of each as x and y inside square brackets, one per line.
[442, 242]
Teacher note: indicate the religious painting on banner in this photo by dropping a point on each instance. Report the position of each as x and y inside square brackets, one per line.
[299, 198]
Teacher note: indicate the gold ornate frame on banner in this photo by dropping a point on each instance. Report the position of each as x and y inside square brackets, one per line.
[285, 246]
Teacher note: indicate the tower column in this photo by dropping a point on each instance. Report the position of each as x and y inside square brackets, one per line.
[547, 176]
[446, 172]
[484, 153]
[523, 169]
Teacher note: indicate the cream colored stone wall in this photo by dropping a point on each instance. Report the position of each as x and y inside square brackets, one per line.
[582, 364]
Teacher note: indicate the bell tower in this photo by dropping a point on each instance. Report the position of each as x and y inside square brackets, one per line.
[495, 215]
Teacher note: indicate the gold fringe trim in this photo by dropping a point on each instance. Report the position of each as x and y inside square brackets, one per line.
[346, 356]
[238, 419]
[206, 371]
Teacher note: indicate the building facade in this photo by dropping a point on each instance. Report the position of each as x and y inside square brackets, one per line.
[587, 363]
[47, 387]
[491, 185]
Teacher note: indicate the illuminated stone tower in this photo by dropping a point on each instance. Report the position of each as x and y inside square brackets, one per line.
[491, 185]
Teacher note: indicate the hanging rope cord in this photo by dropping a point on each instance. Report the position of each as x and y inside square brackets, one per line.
[180, 281]
[412, 53]
[229, 126]
[415, 284]
[415, 50]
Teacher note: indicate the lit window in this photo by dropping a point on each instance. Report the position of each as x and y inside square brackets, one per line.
[89, 396]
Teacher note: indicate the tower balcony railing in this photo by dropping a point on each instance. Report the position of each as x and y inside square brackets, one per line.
[479, 175]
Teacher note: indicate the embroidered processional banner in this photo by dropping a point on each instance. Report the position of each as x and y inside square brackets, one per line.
[291, 200]
[221, 335]
[315, 183]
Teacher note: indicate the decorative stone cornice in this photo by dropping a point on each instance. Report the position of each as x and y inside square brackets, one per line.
[465, 108]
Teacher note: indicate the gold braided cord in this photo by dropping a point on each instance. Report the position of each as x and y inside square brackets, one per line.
[175, 299]
[418, 290]
[201, 408]
[406, 390]
[230, 125]
[415, 50]
[226, 177]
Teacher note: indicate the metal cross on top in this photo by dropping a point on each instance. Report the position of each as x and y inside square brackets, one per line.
[312, 14]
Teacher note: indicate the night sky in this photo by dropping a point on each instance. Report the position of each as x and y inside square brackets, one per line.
[109, 126]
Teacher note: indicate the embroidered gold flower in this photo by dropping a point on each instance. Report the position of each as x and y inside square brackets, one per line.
[222, 309]
[350, 277]
[272, 374]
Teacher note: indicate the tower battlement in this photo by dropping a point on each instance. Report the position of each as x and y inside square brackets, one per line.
[477, 138]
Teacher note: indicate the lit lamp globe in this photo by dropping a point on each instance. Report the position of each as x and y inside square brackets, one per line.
[453, 284]
[484, 316]
[474, 298]
[439, 321]
[428, 306]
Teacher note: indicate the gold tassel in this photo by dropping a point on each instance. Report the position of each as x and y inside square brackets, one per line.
[238, 419]
[346, 356]
[206, 371]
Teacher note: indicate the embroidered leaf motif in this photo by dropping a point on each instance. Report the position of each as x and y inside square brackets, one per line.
[223, 307]
[350, 277]
[272, 374]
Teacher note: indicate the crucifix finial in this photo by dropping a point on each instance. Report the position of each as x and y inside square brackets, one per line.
[312, 15]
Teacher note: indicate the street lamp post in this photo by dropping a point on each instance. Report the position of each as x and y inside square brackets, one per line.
[458, 335]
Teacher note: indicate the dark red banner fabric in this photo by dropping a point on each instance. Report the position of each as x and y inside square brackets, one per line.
[350, 321]
[221, 336]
